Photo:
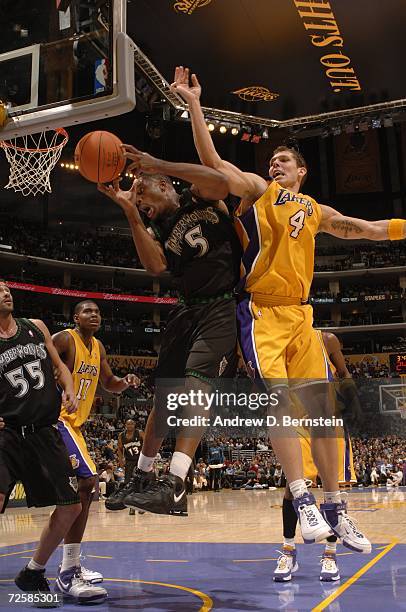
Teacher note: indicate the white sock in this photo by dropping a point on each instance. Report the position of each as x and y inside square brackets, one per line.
[145, 463]
[332, 496]
[71, 556]
[289, 543]
[331, 548]
[298, 487]
[33, 565]
[180, 464]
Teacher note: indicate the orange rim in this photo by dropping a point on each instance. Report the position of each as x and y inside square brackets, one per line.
[60, 131]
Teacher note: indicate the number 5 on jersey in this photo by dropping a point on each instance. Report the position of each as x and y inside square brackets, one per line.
[195, 239]
[297, 221]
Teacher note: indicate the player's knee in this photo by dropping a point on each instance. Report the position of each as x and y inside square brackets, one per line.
[2, 499]
[67, 514]
[86, 485]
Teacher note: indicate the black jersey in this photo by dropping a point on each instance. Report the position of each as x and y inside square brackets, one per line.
[131, 448]
[201, 248]
[28, 392]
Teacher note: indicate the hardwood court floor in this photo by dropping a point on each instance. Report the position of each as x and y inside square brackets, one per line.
[222, 555]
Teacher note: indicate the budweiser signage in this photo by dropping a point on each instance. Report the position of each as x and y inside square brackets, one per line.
[94, 295]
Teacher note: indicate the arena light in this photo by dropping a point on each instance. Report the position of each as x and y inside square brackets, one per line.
[185, 115]
[223, 129]
[235, 131]
[265, 134]
[211, 127]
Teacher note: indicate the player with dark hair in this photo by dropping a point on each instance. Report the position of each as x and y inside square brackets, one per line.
[128, 450]
[85, 356]
[31, 448]
[193, 237]
[277, 226]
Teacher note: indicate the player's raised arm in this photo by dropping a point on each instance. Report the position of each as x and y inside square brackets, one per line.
[242, 184]
[350, 228]
[148, 249]
[211, 184]
[64, 376]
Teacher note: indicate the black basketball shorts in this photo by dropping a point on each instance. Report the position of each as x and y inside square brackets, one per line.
[200, 340]
[41, 462]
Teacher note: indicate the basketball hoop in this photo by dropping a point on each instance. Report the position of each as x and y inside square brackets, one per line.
[32, 158]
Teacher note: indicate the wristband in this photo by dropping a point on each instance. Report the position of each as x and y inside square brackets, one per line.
[396, 229]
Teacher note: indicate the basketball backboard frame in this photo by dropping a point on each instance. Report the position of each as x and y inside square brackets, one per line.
[32, 50]
[120, 101]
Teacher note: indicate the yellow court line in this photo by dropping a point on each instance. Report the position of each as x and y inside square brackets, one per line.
[326, 602]
[20, 552]
[252, 560]
[98, 557]
[167, 560]
[207, 601]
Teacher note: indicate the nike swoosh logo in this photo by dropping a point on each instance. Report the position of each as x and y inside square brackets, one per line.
[63, 585]
[177, 498]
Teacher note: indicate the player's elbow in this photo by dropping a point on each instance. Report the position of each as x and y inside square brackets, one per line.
[222, 187]
[156, 269]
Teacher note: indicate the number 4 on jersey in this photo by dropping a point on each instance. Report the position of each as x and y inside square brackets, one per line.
[297, 221]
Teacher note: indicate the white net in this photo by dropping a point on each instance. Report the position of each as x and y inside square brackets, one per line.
[31, 160]
[392, 398]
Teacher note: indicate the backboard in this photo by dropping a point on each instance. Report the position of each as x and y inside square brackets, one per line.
[64, 62]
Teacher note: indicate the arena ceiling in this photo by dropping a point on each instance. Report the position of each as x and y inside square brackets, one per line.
[280, 59]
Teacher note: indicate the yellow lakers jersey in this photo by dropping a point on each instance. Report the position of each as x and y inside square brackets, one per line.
[278, 238]
[85, 374]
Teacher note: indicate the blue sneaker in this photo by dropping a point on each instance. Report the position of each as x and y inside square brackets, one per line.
[312, 524]
[286, 565]
[72, 584]
[329, 569]
[345, 527]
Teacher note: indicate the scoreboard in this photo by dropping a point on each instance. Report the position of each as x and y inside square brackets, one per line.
[398, 363]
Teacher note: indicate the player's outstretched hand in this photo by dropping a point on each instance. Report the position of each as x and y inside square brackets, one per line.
[2, 423]
[125, 199]
[142, 162]
[70, 401]
[188, 88]
[132, 380]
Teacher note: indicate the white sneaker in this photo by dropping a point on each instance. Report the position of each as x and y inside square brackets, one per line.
[286, 565]
[91, 576]
[329, 569]
[344, 527]
[72, 585]
[312, 524]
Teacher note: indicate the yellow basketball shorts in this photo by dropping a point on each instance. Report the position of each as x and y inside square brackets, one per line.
[346, 472]
[279, 342]
[82, 463]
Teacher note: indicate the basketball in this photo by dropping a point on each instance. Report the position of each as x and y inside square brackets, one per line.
[99, 157]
